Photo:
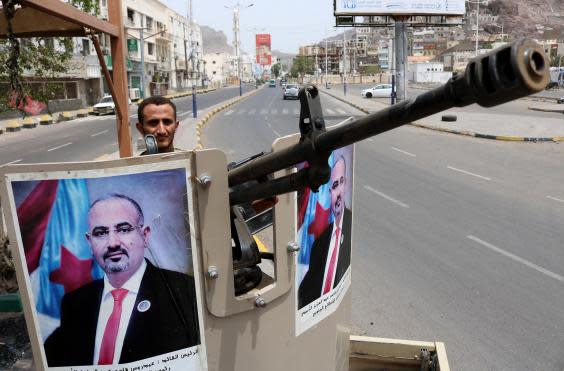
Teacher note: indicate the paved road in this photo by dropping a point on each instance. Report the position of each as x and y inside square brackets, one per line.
[86, 138]
[456, 239]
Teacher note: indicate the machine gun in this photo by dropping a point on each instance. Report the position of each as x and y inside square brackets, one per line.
[507, 73]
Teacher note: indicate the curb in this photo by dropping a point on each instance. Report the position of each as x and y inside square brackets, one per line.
[12, 126]
[200, 125]
[546, 110]
[29, 123]
[508, 138]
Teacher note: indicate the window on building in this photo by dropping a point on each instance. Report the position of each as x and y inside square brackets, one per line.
[213, 62]
[71, 90]
[131, 15]
[150, 48]
[104, 3]
[149, 23]
[214, 72]
[85, 47]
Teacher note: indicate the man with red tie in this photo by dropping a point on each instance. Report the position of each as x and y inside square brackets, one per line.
[331, 251]
[137, 310]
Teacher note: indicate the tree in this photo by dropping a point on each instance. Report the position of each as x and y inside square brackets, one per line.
[302, 65]
[39, 59]
[276, 69]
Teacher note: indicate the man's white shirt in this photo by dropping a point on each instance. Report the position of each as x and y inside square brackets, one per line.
[107, 305]
[332, 247]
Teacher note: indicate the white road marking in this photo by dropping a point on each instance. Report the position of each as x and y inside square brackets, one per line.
[370, 140]
[252, 112]
[11, 162]
[469, 173]
[241, 111]
[263, 112]
[330, 111]
[341, 111]
[296, 112]
[229, 112]
[402, 151]
[517, 258]
[59, 147]
[268, 123]
[399, 203]
[99, 133]
[555, 199]
[274, 112]
[132, 116]
[285, 111]
[277, 133]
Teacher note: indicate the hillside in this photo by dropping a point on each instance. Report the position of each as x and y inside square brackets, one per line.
[215, 41]
[526, 17]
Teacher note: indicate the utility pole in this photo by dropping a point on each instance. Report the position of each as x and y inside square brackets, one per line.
[237, 42]
[185, 55]
[344, 64]
[326, 64]
[401, 55]
[192, 55]
[142, 46]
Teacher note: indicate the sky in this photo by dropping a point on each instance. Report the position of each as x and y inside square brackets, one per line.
[291, 23]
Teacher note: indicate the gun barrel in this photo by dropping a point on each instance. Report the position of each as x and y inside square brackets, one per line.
[507, 73]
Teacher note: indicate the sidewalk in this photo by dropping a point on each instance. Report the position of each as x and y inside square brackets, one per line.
[482, 125]
[30, 122]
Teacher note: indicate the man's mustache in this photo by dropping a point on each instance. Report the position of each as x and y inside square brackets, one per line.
[110, 252]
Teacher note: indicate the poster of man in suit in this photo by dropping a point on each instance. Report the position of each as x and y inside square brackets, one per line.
[110, 269]
[325, 238]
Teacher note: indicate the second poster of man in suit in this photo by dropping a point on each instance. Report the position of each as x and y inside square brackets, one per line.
[325, 239]
[110, 269]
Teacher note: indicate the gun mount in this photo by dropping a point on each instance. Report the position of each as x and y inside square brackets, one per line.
[507, 73]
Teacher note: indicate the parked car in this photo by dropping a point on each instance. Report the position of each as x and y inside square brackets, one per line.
[560, 100]
[272, 83]
[382, 90]
[283, 83]
[106, 105]
[291, 91]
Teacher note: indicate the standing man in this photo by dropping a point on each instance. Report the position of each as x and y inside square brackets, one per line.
[137, 310]
[156, 115]
[331, 251]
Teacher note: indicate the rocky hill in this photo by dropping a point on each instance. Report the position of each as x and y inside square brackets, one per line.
[526, 17]
[215, 41]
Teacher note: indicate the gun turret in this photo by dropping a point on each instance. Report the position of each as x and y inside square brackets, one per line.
[507, 73]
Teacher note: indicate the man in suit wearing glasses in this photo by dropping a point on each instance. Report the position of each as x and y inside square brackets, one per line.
[137, 310]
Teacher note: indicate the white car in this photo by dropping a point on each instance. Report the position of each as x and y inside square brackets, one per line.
[106, 105]
[382, 90]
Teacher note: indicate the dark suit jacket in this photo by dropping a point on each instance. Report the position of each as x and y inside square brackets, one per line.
[310, 288]
[170, 324]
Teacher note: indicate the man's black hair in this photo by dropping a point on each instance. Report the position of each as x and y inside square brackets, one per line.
[156, 100]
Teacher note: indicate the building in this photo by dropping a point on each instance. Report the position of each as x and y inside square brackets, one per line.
[172, 57]
[219, 67]
[427, 72]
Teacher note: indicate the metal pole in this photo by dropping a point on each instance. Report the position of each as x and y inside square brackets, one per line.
[344, 64]
[326, 64]
[192, 55]
[477, 24]
[142, 47]
[401, 56]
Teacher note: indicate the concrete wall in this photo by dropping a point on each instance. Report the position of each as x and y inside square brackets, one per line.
[59, 105]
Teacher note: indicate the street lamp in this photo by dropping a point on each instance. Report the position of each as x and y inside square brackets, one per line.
[236, 9]
[142, 39]
[477, 19]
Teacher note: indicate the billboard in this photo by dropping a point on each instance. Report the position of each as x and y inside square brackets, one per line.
[395, 7]
[263, 49]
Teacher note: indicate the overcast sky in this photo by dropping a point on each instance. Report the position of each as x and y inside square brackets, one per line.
[290, 22]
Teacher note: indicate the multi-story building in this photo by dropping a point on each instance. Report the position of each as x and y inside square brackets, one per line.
[172, 51]
[219, 67]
